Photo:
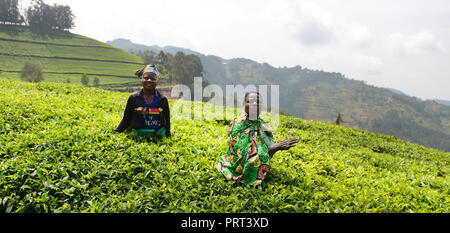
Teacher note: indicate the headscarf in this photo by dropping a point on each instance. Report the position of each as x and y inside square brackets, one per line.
[147, 69]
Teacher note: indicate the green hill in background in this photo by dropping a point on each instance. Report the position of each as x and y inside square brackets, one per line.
[58, 154]
[321, 96]
[443, 102]
[64, 56]
[309, 94]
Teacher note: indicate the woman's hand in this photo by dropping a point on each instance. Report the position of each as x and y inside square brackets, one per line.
[287, 144]
[284, 144]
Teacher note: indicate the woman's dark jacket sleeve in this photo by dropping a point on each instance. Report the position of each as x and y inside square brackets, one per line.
[165, 118]
[127, 116]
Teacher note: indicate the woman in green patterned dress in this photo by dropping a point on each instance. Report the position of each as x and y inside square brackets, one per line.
[250, 145]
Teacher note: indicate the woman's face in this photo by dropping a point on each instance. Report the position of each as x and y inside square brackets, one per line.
[149, 81]
[253, 105]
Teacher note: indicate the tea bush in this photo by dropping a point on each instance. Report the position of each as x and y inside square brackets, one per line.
[58, 154]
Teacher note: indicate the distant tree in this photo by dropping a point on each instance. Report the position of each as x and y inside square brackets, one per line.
[15, 15]
[194, 65]
[85, 80]
[148, 56]
[96, 82]
[3, 11]
[32, 73]
[35, 13]
[39, 14]
[177, 69]
[64, 17]
[58, 17]
[184, 68]
[166, 68]
[162, 60]
[9, 12]
[68, 80]
[50, 20]
[339, 120]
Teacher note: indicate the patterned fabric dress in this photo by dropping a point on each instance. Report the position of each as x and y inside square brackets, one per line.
[150, 113]
[247, 159]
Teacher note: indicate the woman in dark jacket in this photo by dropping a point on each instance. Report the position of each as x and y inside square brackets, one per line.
[147, 111]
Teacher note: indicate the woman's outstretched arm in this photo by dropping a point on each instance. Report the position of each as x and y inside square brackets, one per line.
[284, 144]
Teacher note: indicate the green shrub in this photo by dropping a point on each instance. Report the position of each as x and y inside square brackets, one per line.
[31, 73]
[85, 80]
[58, 154]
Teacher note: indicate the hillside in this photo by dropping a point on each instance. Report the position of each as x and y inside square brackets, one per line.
[319, 95]
[58, 154]
[443, 102]
[64, 56]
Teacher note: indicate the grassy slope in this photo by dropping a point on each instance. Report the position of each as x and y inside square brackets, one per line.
[57, 154]
[52, 45]
[320, 96]
[361, 105]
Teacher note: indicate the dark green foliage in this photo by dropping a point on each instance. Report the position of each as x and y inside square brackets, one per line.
[148, 57]
[185, 67]
[58, 154]
[96, 82]
[57, 17]
[163, 60]
[181, 68]
[85, 80]
[404, 127]
[32, 73]
[339, 119]
[9, 12]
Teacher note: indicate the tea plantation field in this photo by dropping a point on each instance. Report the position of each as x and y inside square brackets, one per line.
[58, 154]
[64, 56]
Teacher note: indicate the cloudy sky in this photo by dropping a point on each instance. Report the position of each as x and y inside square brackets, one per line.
[403, 44]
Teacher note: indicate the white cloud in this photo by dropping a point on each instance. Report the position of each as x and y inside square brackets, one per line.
[359, 36]
[310, 24]
[314, 33]
[302, 21]
[415, 44]
[370, 65]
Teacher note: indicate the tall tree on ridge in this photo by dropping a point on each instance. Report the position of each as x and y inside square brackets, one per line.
[58, 17]
[9, 12]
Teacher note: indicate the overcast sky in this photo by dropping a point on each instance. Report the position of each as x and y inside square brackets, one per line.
[403, 44]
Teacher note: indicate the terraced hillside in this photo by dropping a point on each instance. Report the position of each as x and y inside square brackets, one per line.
[64, 56]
